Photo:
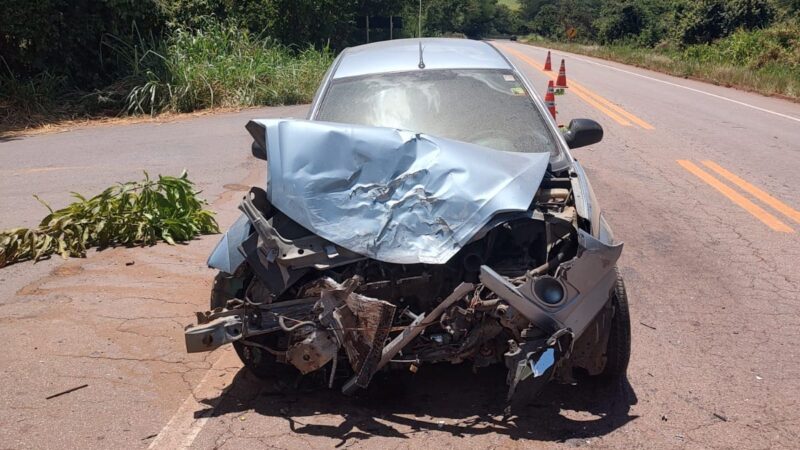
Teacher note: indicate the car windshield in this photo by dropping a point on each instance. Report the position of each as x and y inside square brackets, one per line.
[484, 107]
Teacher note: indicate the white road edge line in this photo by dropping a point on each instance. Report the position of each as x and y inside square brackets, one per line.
[785, 116]
[183, 428]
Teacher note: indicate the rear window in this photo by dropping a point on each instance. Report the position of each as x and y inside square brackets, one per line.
[484, 107]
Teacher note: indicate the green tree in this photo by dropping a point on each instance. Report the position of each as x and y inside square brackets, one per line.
[703, 22]
[546, 23]
[708, 20]
[748, 14]
[553, 18]
[529, 9]
[789, 9]
[619, 21]
[580, 14]
[506, 21]
[64, 37]
[474, 18]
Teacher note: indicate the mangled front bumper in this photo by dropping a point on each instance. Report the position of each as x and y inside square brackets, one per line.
[555, 324]
[587, 282]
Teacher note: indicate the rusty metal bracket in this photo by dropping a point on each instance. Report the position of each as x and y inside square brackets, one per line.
[217, 332]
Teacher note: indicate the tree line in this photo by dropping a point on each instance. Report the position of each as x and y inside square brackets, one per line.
[78, 38]
[49, 48]
[651, 22]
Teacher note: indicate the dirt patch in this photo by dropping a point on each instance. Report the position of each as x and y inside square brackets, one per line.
[67, 270]
[236, 187]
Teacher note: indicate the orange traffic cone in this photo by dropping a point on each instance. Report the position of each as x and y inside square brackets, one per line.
[561, 82]
[550, 99]
[547, 66]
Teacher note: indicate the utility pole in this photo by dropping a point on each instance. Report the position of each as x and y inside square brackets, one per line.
[419, 20]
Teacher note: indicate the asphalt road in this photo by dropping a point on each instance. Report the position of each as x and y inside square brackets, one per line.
[699, 181]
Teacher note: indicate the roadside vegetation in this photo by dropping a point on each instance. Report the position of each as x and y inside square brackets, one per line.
[216, 64]
[129, 214]
[750, 44]
[74, 59]
[758, 61]
[219, 65]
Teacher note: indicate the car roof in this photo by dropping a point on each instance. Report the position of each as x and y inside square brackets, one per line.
[402, 55]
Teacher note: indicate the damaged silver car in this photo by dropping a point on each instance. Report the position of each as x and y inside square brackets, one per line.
[428, 211]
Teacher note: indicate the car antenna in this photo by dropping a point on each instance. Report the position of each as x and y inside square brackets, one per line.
[421, 62]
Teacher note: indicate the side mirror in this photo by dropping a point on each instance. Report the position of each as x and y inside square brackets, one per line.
[258, 151]
[583, 132]
[259, 134]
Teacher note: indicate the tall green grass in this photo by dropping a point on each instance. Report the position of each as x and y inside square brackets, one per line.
[217, 64]
[765, 61]
[220, 65]
[22, 99]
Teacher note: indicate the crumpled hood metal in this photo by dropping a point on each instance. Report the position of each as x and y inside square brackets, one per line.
[393, 195]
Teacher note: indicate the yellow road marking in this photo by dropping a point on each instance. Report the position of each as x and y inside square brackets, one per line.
[583, 96]
[579, 91]
[756, 192]
[768, 219]
[615, 107]
[599, 106]
[615, 112]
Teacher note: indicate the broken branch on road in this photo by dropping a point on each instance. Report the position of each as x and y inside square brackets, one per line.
[133, 213]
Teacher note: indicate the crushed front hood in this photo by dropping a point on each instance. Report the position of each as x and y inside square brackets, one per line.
[393, 195]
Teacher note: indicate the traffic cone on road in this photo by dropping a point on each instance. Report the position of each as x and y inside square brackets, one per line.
[550, 99]
[561, 82]
[547, 66]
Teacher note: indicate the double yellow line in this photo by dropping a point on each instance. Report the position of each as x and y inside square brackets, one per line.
[737, 198]
[615, 112]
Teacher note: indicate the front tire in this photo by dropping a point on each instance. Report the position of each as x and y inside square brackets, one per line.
[618, 350]
[258, 361]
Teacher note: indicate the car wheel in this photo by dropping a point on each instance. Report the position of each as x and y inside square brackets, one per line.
[618, 351]
[259, 361]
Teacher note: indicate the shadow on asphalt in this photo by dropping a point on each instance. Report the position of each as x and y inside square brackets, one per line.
[442, 398]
